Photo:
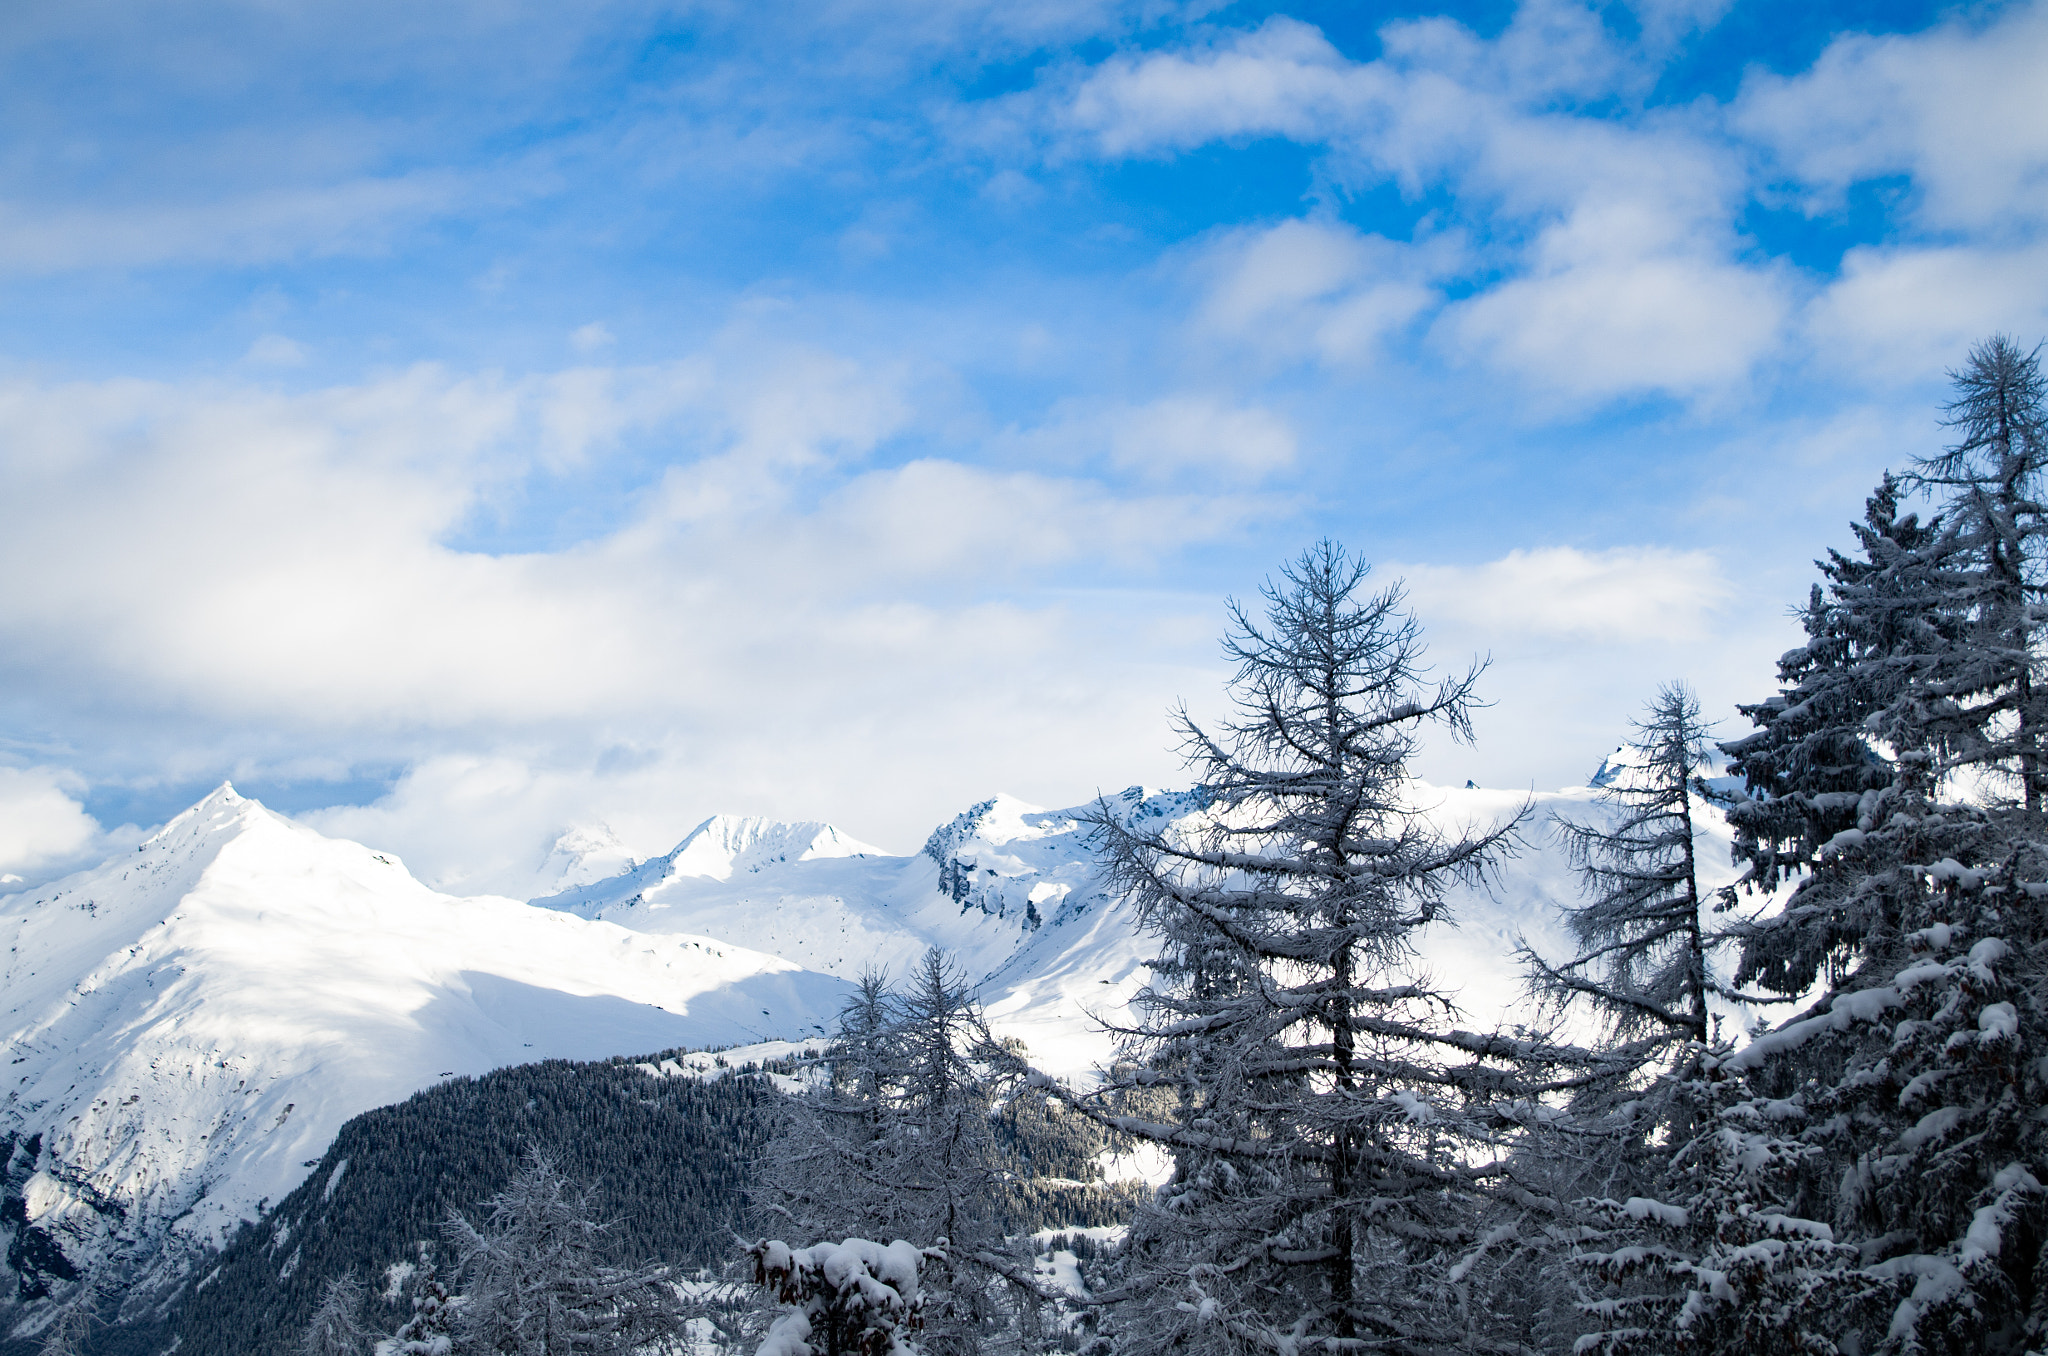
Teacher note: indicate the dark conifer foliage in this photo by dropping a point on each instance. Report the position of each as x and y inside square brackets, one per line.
[1868, 1176]
[1874, 633]
[670, 1156]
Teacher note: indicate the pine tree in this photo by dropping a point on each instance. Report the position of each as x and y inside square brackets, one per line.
[538, 1279]
[1332, 1128]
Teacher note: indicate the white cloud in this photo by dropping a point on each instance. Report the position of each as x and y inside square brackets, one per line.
[1608, 307]
[1604, 249]
[1957, 108]
[1282, 79]
[1319, 287]
[1623, 595]
[774, 627]
[1200, 433]
[592, 337]
[1906, 312]
[42, 825]
[1579, 641]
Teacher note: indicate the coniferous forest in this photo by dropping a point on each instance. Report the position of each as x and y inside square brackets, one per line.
[1806, 1113]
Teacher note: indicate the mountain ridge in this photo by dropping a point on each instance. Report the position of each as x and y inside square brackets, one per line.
[188, 1025]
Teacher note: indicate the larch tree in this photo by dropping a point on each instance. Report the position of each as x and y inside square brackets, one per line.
[337, 1327]
[1643, 935]
[538, 1277]
[1987, 705]
[1334, 1133]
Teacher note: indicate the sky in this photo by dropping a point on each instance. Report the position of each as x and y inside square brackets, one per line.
[461, 423]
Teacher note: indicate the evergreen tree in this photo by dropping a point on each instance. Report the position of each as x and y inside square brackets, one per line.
[1867, 1177]
[1332, 1128]
[854, 1298]
[430, 1331]
[1874, 634]
[897, 1142]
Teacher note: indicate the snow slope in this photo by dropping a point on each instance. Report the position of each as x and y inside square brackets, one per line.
[808, 893]
[1013, 892]
[187, 1026]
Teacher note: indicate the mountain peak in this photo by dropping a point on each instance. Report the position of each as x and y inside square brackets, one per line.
[724, 845]
[584, 854]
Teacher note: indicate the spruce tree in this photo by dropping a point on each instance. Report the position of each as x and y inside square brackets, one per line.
[1333, 1130]
[1868, 1175]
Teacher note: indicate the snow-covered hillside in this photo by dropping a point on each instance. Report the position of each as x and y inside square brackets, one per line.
[187, 1026]
[190, 1024]
[1014, 893]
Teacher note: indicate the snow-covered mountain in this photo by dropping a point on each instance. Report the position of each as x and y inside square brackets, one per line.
[1010, 891]
[1015, 895]
[187, 1026]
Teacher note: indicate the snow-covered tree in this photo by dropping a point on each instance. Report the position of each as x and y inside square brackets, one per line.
[1844, 720]
[67, 1334]
[1332, 1128]
[1868, 1176]
[896, 1141]
[337, 1327]
[1642, 925]
[852, 1298]
[1988, 712]
[430, 1331]
[538, 1280]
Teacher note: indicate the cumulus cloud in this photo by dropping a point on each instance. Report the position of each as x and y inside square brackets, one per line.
[1904, 311]
[1627, 594]
[1956, 108]
[1606, 259]
[1612, 303]
[769, 617]
[42, 824]
[1606, 255]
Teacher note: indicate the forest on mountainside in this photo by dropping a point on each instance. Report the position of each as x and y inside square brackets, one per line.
[1805, 1113]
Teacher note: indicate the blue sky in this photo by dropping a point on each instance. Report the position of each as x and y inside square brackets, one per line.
[460, 422]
